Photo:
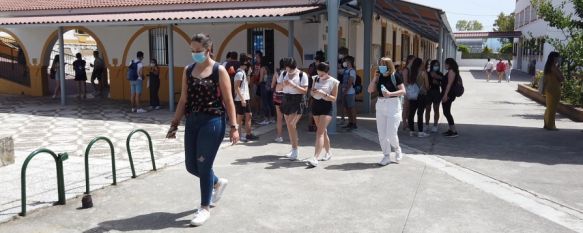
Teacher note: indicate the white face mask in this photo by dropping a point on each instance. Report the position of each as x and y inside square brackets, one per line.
[345, 64]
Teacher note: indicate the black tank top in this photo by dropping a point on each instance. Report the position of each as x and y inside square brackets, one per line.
[204, 94]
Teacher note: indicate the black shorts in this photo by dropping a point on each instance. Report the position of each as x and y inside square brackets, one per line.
[97, 73]
[433, 97]
[292, 104]
[321, 107]
[242, 110]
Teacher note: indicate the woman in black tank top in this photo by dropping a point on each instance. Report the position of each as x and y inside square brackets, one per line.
[206, 96]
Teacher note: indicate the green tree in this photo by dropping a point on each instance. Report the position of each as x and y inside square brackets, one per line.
[463, 48]
[487, 51]
[571, 26]
[506, 48]
[504, 23]
[465, 25]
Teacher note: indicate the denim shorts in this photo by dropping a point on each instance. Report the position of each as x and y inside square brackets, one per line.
[349, 101]
[136, 86]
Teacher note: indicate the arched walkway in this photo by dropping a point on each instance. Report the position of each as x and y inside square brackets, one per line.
[50, 44]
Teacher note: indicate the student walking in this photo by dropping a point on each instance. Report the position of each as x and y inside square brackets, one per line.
[80, 76]
[552, 88]
[54, 73]
[324, 92]
[488, 68]
[154, 84]
[242, 98]
[295, 86]
[136, 77]
[205, 121]
[417, 86]
[500, 69]
[277, 85]
[452, 76]
[390, 89]
[508, 69]
[433, 95]
[348, 92]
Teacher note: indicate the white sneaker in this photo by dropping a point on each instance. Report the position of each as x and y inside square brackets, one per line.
[279, 139]
[141, 110]
[386, 160]
[201, 216]
[157, 107]
[243, 139]
[292, 155]
[313, 162]
[264, 122]
[133, 110]
[412, 134]
[434, 129]
[218, 193]
[422, 135]
[399, 157]
[272, 121]
[326, 157]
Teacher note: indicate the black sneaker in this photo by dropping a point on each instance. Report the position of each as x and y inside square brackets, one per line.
[447, 133]
[451, 135]
[348, 126]
[354, 126]
[251, 137]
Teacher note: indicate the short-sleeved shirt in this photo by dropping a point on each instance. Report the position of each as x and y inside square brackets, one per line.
[295, 78]
[140, 67]
[490, 65]
[348, 74]
[325, 85]
[386, 81]
[244, 86]
[99, 64]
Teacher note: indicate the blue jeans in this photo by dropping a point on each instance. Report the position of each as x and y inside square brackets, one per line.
[267, 101]
[203, 136]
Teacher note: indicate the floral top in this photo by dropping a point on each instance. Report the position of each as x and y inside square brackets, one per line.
[204, 94]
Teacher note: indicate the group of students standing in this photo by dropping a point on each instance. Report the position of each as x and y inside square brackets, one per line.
[503, 69]
[212, 103]
[80, 69]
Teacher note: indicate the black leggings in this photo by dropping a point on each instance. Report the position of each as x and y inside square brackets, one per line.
[447, 110]
[419, 107]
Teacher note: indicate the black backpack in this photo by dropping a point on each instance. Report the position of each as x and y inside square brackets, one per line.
[358, 85]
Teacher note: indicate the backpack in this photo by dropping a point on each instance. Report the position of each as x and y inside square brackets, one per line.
[412, 91]
[500, 67]
[458, 87]
[358, 85]
[133, 71]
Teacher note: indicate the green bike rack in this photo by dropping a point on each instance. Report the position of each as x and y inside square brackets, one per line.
[130, 152]
[87, 161]
[60, 177]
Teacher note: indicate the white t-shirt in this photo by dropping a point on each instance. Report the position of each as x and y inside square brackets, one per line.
[324, 85]
[295, 79]
[140, 68]
[490, 65]
[244, 85]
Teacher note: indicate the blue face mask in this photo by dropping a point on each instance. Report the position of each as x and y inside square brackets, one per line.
[199, 57]
[435, 68]
[383, 69]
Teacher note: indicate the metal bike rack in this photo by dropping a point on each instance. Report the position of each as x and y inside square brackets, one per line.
[130, 152]
[60, 177]
[95, 140]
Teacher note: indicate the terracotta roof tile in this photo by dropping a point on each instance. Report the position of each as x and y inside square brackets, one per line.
[159, 16]
[18, 5]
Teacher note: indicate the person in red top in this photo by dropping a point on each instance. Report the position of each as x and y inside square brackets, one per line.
[501, 69]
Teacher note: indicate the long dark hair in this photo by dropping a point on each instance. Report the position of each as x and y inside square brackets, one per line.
[417, 63]
[553, 56]
[452, 64]
[56, 59]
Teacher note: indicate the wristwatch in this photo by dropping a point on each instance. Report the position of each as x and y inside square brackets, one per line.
[235, 126]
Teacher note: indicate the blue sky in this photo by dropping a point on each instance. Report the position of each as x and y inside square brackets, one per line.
[484, 11]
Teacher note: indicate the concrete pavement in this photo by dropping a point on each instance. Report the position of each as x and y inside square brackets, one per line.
[267, 193]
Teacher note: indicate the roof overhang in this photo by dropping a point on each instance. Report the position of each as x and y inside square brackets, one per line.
[424, 20]
[170, 17]
[484, 35]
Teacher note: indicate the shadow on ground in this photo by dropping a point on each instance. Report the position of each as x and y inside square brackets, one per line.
[152, 221]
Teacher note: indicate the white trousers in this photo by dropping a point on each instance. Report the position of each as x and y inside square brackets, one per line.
[389, 114]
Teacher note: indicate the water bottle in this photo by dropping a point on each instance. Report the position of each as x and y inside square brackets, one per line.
[384, 89]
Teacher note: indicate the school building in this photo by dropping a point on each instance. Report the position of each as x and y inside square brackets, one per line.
[162, 29]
